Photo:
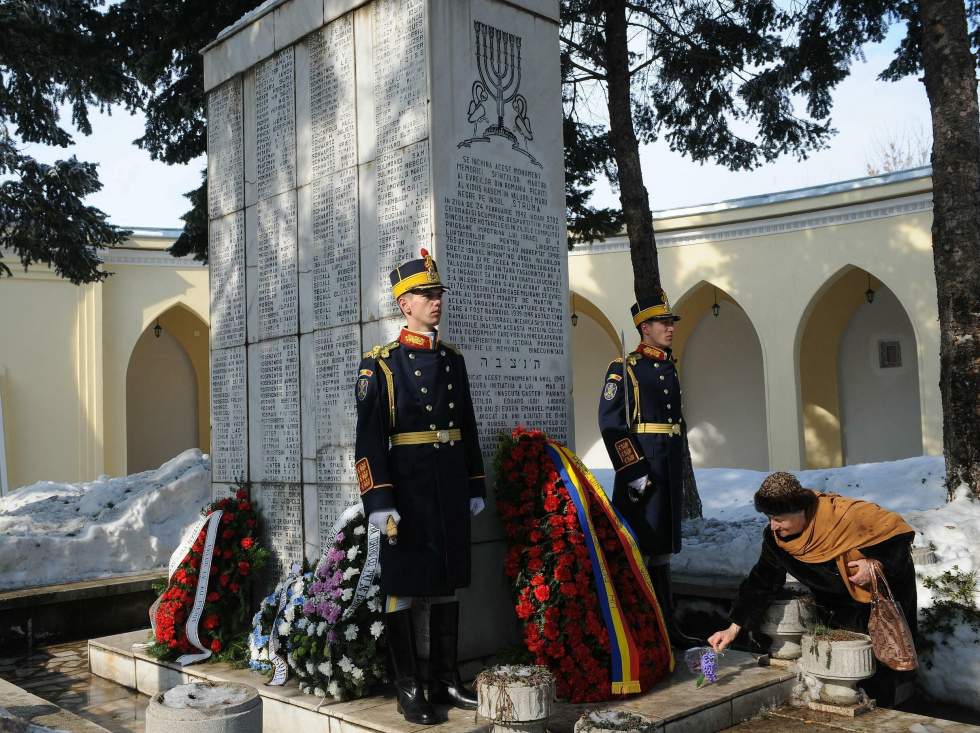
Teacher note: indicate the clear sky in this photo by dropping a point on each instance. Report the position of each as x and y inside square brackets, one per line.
[139, 192]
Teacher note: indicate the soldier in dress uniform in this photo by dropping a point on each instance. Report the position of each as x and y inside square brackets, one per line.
[421, 476]
[647, 446]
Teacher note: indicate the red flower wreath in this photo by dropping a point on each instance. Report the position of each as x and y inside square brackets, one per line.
[236, 556]
[549, 566]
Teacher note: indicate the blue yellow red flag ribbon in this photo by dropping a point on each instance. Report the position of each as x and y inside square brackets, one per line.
[585, 492]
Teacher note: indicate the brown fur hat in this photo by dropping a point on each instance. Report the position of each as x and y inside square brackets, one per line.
[781, 493]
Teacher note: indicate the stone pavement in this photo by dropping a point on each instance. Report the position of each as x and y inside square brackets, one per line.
[787, 719]
[60, 674]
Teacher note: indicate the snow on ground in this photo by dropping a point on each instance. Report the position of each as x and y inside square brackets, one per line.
[55, 533]
[727, 540]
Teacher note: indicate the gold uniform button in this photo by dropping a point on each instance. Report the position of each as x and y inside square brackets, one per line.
[450, 423]
[442, 353]
[449, 386]
[425, 390]
[447, 367]
[452, 406]
[436, 446]
[452, 442]
[411, 356]
[666, 392]
[428, 408]
[432, 427]
[669, 419]
[657, 366]
[668, 404]
[418, 372]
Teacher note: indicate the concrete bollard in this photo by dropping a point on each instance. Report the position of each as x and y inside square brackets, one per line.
[516, 699]
[204, 707]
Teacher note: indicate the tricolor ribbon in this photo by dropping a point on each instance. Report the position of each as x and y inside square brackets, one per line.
[586, 493]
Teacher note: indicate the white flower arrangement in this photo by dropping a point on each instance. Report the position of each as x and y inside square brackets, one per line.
[265, 617]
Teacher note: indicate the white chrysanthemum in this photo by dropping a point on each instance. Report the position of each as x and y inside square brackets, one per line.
[321, 628]
[334, 689]
[283, 628]
[290, 613]
[359, 530]
[357, 673]
[310, 669]
[376, 628]
[352, 552]
[325, 668]
[373, 590]
[319, 692]
[373, 605]
[347, 594]
[311, 630]
[302, 623]
[298, 587]
[350, 633]
[345, 664]
[263, 655]
[291, 661]
[351, 572]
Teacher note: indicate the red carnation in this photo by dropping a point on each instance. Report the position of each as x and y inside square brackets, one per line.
[227, 518]
[537, 579]
[213, 597]
[244, 567]
[244, 506]
[241, 494]
[223, 580]
[234, 587]
[216, 645]
[210, 621]
[247, 543]
[542, 593]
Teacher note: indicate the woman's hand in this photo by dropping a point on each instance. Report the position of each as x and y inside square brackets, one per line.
[721, 639]
[862, 572]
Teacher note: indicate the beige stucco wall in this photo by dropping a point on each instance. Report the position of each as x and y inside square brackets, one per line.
[65, 351]
[777, 260]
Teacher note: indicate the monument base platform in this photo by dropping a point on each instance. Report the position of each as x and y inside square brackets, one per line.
[676, 705]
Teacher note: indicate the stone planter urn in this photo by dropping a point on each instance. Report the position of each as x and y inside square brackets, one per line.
[202, 707]
[516, 698]
[613, 721]
[839, 659]
[784, 623]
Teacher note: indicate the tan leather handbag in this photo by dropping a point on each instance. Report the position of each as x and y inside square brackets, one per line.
[891, 639]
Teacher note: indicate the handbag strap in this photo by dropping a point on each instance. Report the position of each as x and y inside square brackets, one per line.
[877, 571]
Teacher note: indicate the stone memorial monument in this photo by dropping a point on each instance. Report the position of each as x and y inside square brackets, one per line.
[344, 135]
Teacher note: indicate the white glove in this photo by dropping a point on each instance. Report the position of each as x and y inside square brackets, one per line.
[639, 483]
[379, 519]
[477, 505]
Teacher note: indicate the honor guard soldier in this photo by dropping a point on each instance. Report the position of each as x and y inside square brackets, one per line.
[643, 427]
[421, 478]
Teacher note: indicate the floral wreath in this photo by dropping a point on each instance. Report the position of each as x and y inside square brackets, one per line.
[330, 621]
[549, 565]
[203, 609]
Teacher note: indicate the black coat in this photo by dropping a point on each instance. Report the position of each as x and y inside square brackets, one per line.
[835, 604]
[410, 386]
[655, 397]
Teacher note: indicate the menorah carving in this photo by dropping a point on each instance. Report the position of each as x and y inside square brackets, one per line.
[498, 61]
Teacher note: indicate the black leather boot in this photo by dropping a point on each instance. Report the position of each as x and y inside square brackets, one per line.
[445, 686]
[660, 576]
[410, 696]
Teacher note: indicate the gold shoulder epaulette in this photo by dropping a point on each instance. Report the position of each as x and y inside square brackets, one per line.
[452, 347]
[633, 359]
[381, 352]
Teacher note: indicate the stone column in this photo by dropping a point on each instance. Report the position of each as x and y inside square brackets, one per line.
[343, 136]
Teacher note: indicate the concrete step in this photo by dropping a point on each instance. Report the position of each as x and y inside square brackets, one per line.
[22, 704]
[743, 689]
[71, 611]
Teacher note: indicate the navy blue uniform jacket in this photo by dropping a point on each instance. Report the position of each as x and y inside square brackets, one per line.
[413, 385]
[654, 397]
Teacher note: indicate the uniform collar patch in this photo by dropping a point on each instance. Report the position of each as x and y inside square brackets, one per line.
[652, 352]
[414, 340]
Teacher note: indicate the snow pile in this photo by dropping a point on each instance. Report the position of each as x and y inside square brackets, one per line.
[726, 542]
[56, 533]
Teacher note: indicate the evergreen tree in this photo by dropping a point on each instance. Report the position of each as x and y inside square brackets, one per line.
[54, 54]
